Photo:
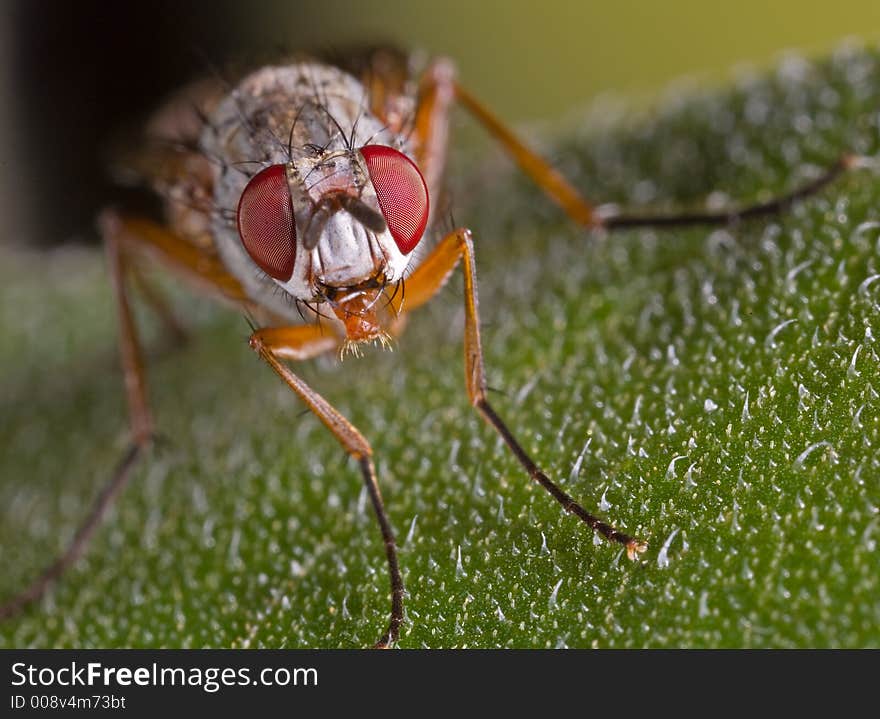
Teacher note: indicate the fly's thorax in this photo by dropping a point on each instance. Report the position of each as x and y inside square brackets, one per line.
[310, 118]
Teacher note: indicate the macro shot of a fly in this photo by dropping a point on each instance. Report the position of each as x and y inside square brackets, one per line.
[298, 194]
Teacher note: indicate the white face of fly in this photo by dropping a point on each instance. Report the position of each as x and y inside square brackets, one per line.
[336, 248]
[313, 120]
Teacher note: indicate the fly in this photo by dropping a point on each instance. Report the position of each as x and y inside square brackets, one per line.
[299, 195]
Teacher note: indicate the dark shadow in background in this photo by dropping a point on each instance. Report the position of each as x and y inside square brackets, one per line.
[84, 70]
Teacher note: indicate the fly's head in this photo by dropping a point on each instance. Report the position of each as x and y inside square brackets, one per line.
[336, 227]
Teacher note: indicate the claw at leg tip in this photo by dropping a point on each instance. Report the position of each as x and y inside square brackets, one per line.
[635, 547]
[860, 162]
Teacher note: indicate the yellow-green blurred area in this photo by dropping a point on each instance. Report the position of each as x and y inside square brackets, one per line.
[533, 59]
[70, 77]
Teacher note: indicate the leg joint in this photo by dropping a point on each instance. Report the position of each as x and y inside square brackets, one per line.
[257, 343]
[464, 237]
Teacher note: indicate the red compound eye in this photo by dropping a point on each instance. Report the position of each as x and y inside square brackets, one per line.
[403, 196]
[266, 224]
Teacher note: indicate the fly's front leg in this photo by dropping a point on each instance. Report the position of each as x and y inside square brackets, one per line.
[428, 278]
[273, 344]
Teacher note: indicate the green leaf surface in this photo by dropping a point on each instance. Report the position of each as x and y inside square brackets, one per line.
[712, 391]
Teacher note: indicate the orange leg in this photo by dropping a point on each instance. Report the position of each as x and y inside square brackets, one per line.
[385, 73]
[438, 90]
[431, 126]
[131, 354]
[141, 422]
[272, 344]
[300, 342]
[159, 305]
[202, 269]
[121, 237]
[545, 176]
[428, 278]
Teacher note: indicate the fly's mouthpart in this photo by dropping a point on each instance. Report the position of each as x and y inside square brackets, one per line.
[354, 347]
[356, 308]
[337, 296]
